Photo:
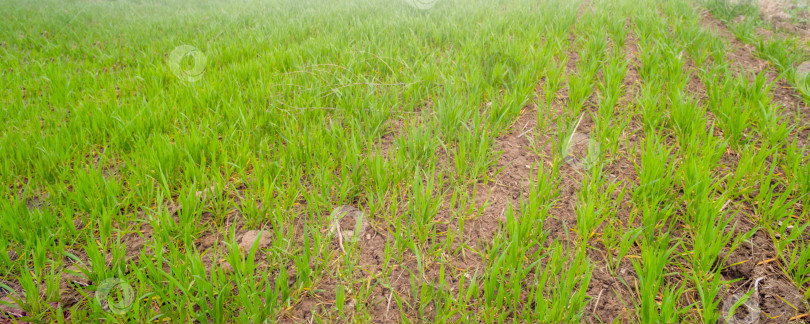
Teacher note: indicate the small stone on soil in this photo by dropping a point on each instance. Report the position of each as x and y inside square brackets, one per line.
[250, 237]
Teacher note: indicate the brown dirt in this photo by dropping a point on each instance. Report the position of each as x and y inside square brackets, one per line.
[778, 298]
[787, 16]
[318, 302]
[744, 59]
[614, 298]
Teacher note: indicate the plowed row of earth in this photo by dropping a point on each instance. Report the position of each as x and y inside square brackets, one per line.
[556, 161]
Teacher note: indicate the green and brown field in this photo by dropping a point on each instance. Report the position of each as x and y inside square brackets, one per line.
[419, 161]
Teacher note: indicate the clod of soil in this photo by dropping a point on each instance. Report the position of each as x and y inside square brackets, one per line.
[250, 237]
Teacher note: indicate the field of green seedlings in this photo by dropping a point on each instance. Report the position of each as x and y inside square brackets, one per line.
[466, 161]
